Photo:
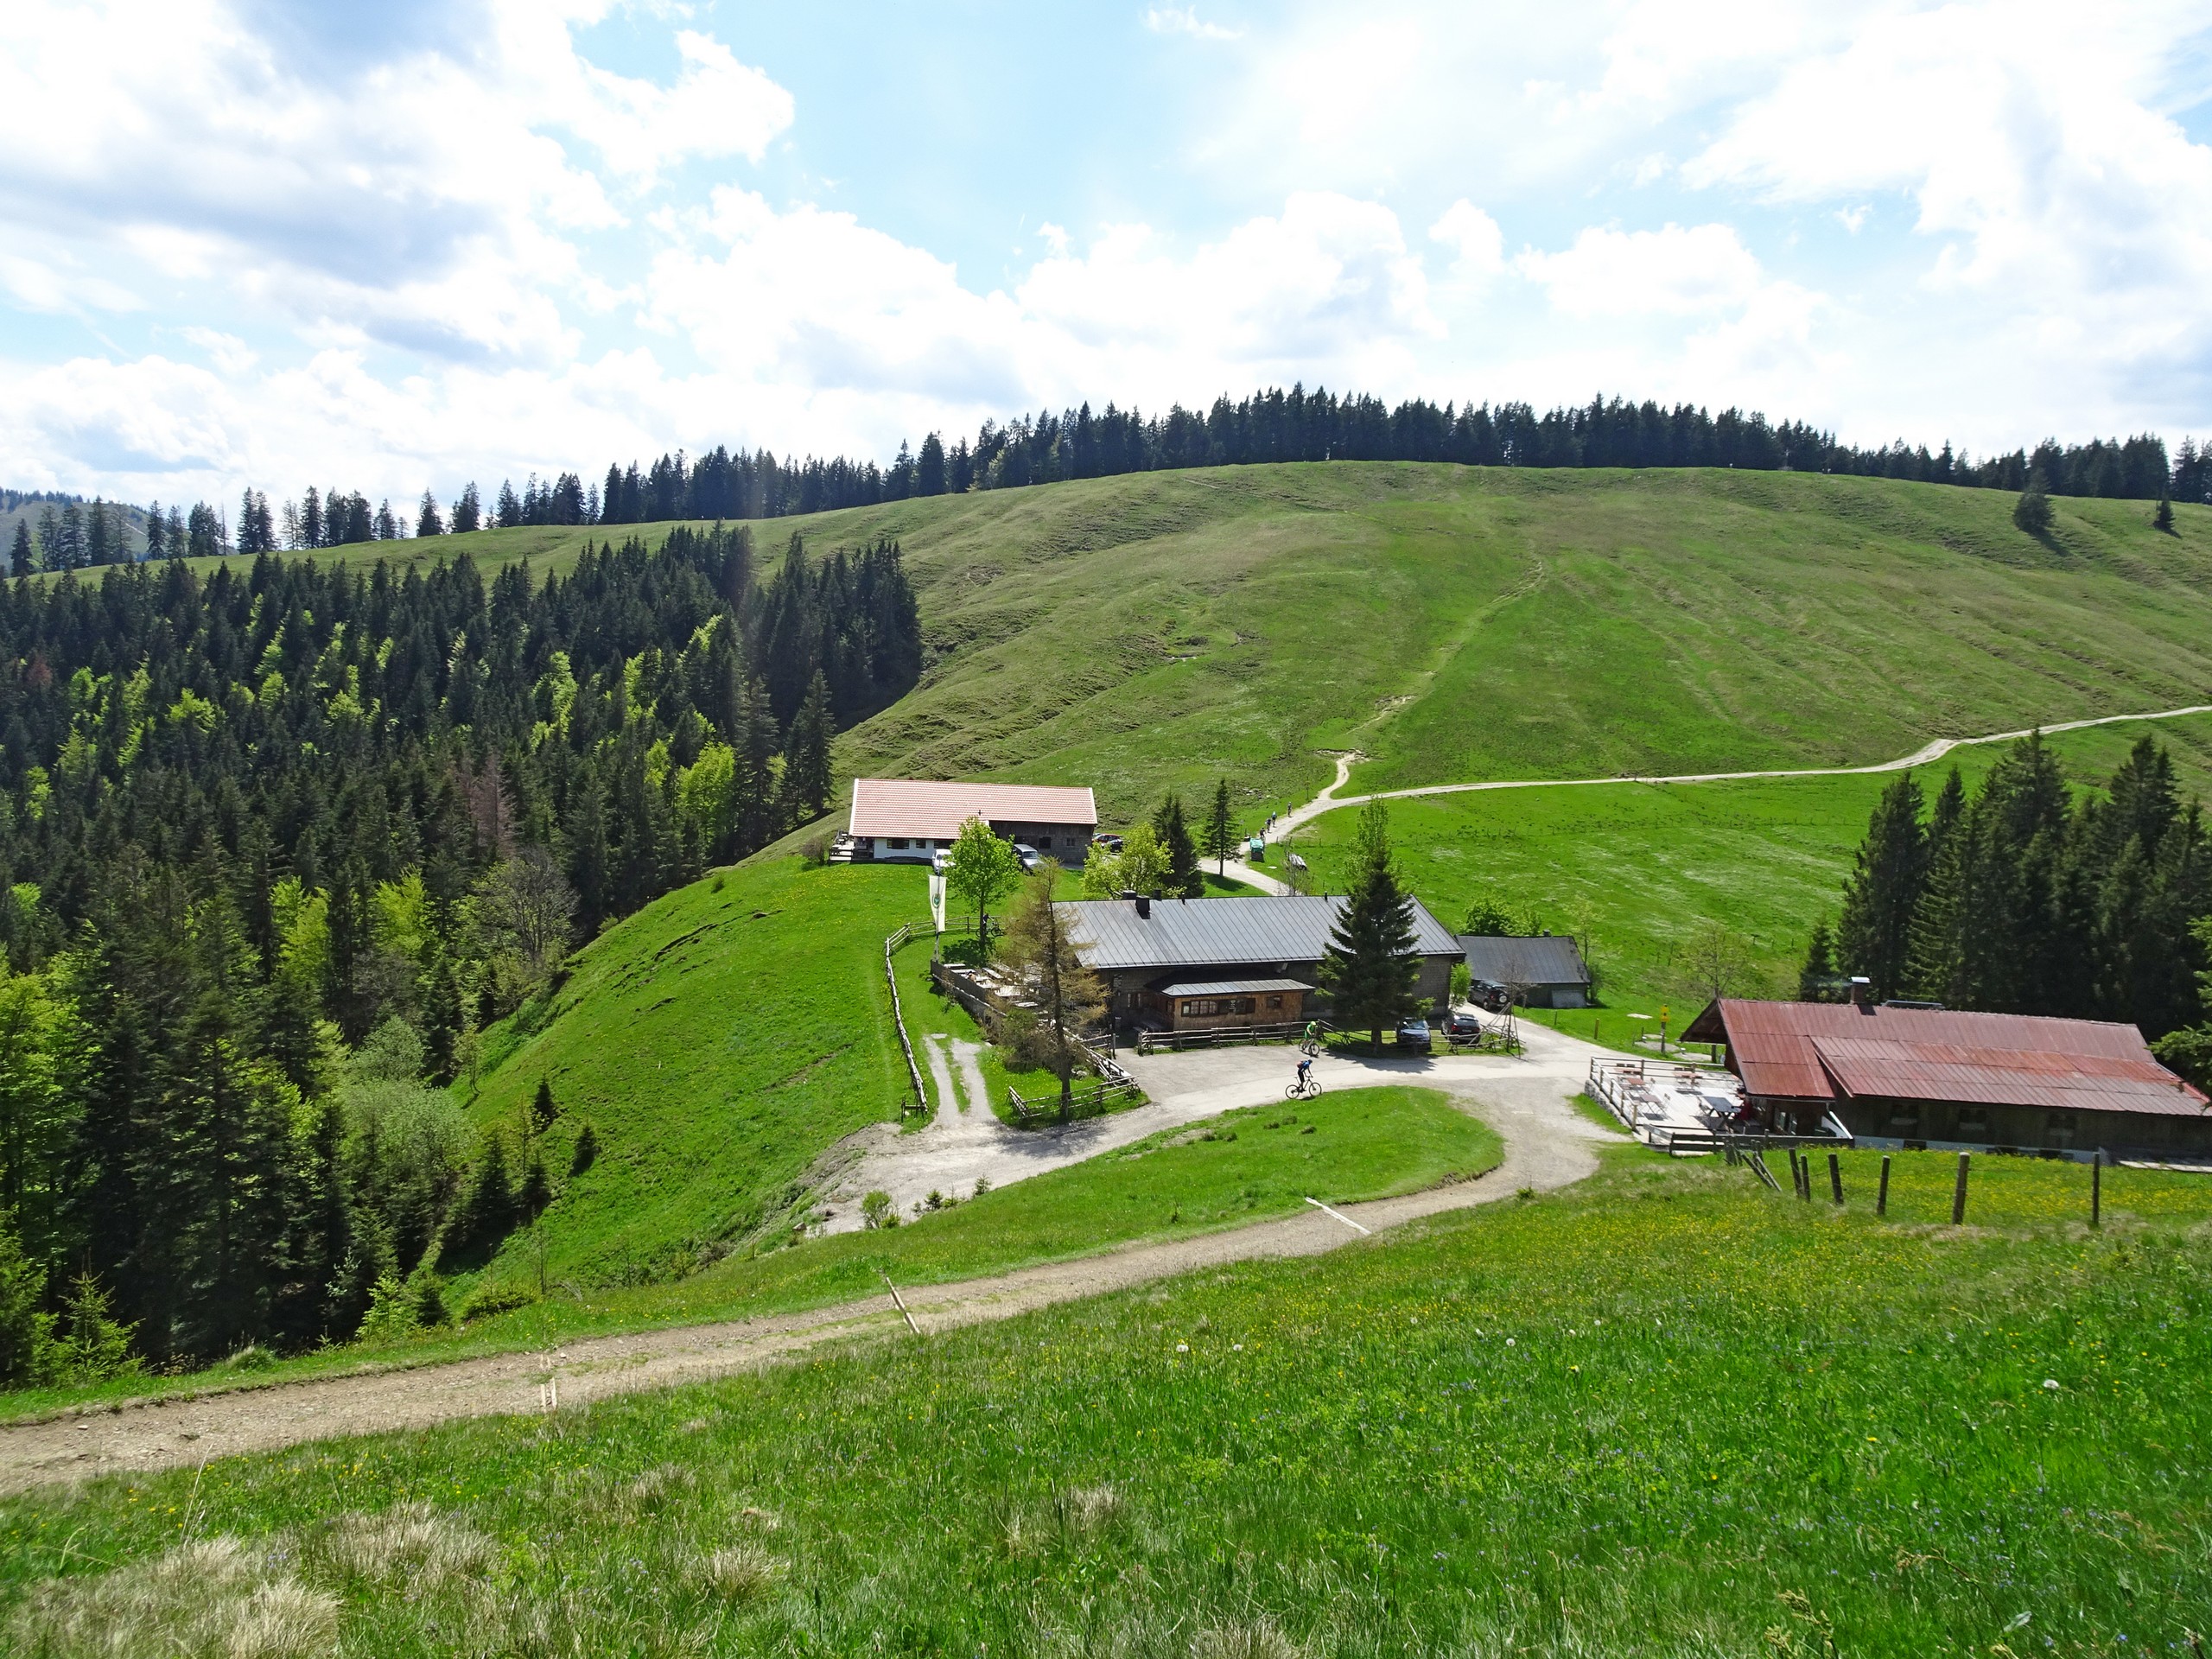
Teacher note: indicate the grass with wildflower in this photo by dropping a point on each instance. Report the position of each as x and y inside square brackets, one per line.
[1665, 1412]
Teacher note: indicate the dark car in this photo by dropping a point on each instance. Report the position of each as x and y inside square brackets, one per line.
[1413, 1033]
[1110, 844]
[1463, 1022]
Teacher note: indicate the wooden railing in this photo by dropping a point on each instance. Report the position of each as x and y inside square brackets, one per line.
[1095, 1101]
[1153, 1042]
[921, 1102]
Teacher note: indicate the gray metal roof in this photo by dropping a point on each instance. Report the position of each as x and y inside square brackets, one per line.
[1228, 987]
[1550, 960]
[1208, 932]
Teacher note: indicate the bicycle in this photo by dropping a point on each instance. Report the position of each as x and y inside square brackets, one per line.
[1309, 1090]
[1311, 1048]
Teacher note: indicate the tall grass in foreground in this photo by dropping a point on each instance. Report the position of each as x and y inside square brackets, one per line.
[1665, 1414]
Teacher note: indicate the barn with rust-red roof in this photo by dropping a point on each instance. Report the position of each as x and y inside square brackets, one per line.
[1924, 1076]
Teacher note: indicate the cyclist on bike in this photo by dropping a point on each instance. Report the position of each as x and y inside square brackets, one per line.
[1312, 1043]
[1305, 1074]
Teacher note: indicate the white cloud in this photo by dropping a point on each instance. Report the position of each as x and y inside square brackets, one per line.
[1477, 243]
[1675, 271]
[480, 252]
[1185, 20]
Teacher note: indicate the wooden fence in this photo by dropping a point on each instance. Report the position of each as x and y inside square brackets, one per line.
[899, 1018]
[1095, 1101]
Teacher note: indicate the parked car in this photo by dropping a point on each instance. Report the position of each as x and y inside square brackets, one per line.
[1110, 844]
[1413, 1033]
[1463, 1022]
[941, 861]
[1030, 857]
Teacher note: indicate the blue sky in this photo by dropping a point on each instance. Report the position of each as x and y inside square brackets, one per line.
[399, 247]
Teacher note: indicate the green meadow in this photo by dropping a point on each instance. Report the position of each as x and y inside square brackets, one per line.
[716, 1042]
[1663, 1413]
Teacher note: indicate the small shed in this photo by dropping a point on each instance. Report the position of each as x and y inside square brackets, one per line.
[1544, 972]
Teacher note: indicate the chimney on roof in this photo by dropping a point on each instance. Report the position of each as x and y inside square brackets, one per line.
[1862, 994]
[1144, 907]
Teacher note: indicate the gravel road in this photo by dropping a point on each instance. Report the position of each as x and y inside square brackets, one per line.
[1548, 1145]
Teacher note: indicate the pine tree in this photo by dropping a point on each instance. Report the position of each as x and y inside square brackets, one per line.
[1221, 829]
[536, 1192]
[806, 756]
[1185, 879]
[2033, 511]
[543, 1111]
[2163, 518]
[1874, 935]
[1816, 979]
[1372, 970]
[21, 560]
[488, 1214]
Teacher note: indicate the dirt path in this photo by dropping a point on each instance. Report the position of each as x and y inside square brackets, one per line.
[1548, 1145]
[1328, 800]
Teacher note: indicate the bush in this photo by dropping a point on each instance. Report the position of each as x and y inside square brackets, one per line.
[876, 1207]
[2033, 511]
[490, 1299]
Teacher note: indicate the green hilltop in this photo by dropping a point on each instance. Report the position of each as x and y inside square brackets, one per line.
[1453, 624]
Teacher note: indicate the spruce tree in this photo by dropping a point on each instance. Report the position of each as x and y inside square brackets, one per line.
[806, 756]
[1185, 879]
[21, 560]
[2031, 513]
[1221, 829]
[1816, 979]
[1874, 935]
[2163, 518]
[1372, 970]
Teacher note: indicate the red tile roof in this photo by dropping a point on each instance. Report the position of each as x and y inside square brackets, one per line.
[911, 807]
[1827, 1050]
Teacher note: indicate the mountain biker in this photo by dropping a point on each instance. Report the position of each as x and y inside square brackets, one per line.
[1306, 1073]
[1312, 1036]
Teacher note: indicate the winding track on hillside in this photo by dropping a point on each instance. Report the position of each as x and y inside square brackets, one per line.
[1548, 1145]
[1328, 800]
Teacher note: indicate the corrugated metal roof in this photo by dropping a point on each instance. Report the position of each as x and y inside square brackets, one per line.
[1216, 932]
[1953, 1071]
[914, 806]
[1827, 1050]
[1551, 959]
[1229, 987]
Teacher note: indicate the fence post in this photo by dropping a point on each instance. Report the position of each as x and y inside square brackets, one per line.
[1958, 1192]
[1882, 1199]
[1835, 1178]
[2097, 1187]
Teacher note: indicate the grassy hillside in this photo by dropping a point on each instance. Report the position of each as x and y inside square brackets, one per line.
[1640, 870]
[1664, 1414]
[717, 1042]
[1456, 623]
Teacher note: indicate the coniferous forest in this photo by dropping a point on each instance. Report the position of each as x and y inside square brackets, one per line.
[2023, 897]
[276, 843]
